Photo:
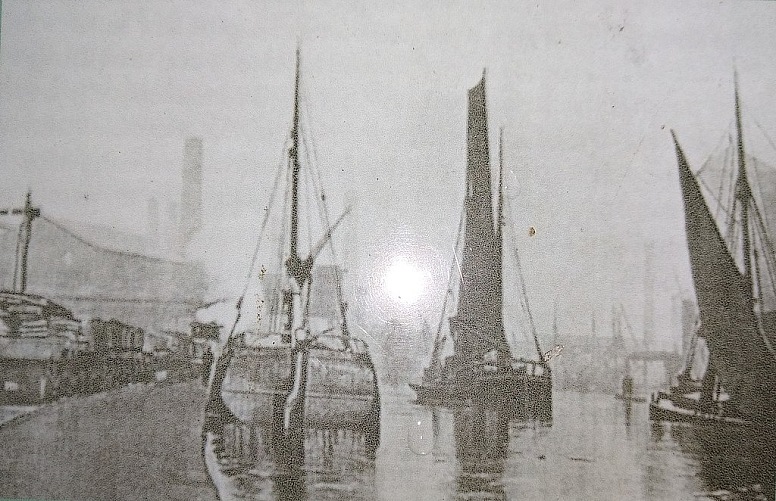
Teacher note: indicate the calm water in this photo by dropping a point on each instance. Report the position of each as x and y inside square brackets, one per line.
[594, 449]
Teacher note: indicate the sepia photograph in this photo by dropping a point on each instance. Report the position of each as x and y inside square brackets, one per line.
[412, 250]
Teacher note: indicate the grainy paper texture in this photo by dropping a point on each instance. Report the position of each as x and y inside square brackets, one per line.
[195, 194]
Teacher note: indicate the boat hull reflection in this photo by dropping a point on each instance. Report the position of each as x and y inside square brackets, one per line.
[481, 448]
[249, 461]
[340, 391]
[738, 460]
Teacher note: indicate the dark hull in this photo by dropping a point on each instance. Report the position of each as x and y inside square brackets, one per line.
[338, 389]
[244, 459]
[738, 344]
[510, 391]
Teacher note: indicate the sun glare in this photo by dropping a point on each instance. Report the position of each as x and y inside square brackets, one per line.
[404, 282]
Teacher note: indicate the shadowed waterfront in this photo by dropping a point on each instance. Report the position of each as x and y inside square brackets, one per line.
[148, 445]
[595, 449]
[138, 442]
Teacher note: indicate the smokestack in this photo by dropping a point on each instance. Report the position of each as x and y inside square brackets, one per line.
[191, 192]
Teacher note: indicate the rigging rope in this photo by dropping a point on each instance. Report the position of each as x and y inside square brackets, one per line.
[526, 312]
[767, 137]
[522, 286]
[763, 234]
[275, 307]
[760, 328]
[727, 160]
[323, 210]
[100, 248]
[730, 165]
[438, 337]
[710, 192]
[689, 357]
[754, 161]
[733, 230]
[306, 184]
[719, 143]
[18, 256]
[267, 213]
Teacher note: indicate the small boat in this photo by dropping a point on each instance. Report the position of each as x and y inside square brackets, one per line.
[482, 370]
[300, 373]
[732, 268]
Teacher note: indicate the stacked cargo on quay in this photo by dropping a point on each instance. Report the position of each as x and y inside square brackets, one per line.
[77, 318]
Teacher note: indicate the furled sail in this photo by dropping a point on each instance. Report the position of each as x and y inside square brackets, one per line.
[738, 352]
[478, 326]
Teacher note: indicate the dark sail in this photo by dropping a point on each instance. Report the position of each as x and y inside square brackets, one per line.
[482, 371]
[478, 325]
[738, 353]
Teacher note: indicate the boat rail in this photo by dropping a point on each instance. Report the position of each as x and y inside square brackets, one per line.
[532, 367]
[538, 367]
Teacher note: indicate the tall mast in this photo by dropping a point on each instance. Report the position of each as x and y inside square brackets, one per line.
[500, 213]
[499, 244]
[744, 196]
[294, 158]
[29, 213]
[296, 268]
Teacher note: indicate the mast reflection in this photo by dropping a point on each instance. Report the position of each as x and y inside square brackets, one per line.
[313, 465]
[735, 459]
[481, 446]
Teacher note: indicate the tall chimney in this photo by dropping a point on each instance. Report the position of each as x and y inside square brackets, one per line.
[191, 192]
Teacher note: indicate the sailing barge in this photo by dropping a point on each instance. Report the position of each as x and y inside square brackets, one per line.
[736, 321]
[482, 370]
[298, 375]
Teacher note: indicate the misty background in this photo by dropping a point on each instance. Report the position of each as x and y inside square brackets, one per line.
[97, 99]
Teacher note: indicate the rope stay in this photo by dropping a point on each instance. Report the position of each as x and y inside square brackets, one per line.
[262, 229]
[524, 296]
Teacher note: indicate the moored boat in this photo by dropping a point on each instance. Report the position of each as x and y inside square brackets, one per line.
[732, 269]
[299, 372]
[482, 370]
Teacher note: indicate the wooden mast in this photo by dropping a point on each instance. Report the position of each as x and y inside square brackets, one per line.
[744, 196]
[299, 270]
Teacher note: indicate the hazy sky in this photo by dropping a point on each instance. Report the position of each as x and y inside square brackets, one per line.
[97, 98]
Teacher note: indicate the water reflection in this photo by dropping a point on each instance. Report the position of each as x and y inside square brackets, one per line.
[481, 446]
[596, 448]
[628, 411]
[735, 459]
[248, 462]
